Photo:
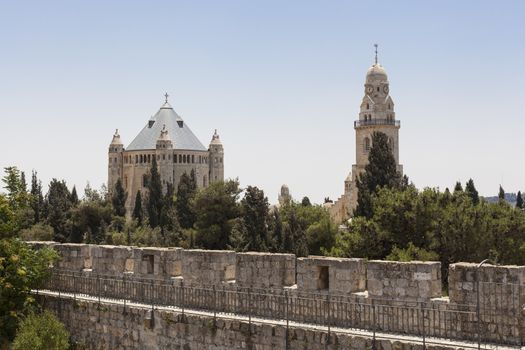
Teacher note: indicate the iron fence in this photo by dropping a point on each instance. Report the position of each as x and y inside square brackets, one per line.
[490, 322]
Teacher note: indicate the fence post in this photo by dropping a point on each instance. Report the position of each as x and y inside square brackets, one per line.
[287, 318]
[423, 323]
[250, 309]
[478, 311]
[374, 325]
[214, 304]
[182, 296]
[74, 288]
[329, 313]
[124, 289]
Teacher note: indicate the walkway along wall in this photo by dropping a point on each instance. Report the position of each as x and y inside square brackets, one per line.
[111, 326]
[397, 297]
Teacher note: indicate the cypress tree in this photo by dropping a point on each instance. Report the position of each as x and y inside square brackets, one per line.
[501, 193]
[74, 196]
[137, 210]
[37, 198]
[254, 208]
[519, 201]
[118, 199]
[471, 191]
[458, 187]
[186, 191]
[380, 171]
[306, 202]
[154, 203]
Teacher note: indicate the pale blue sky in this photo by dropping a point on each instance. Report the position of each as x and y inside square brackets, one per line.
[281, 80]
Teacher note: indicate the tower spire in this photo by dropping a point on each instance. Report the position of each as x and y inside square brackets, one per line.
[375, 45]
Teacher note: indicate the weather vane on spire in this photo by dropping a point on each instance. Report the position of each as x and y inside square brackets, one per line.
[375, 45]
[166, 96]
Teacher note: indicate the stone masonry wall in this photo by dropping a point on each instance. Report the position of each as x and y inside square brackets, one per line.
[337, 275]
[207, 267]
[416, 280]
[113, 327]
[351, 284]
[262, 270]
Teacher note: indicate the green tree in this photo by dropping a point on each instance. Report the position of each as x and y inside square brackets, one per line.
[458, 187]
[254, 213]
[21, 270]
[41, 332]
[519, 201]
[7, 218]
[37, 198]
[381, 171]
[74, 197]
[306, 202]
[14, 183]
[169, 223]
[471, 191]
[138, 212]
[118, 199]
[294, 235]
[58, 204]
[275, 231]
[154, 199]
[90, 219]
[501, 193]
[186, 191]
[216, 211]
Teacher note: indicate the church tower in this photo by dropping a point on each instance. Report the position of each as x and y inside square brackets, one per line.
[114, 161]
[376, 113]
[216, 159]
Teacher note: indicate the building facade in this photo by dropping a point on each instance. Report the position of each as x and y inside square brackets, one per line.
[166, 137]
[376, 113]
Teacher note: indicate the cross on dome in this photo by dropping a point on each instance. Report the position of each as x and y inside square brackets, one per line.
[166, 96]
[375, 45]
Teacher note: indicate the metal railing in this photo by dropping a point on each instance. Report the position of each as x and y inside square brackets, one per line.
[359, 123]
[424, 319]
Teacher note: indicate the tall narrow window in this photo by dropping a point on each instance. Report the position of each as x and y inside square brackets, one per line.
[367, 144]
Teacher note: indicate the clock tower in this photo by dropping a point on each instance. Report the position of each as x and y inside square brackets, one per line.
[376, 113]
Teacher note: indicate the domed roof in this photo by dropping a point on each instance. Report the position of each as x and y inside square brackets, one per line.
[376, 70]
[116, 139]
[215, 140]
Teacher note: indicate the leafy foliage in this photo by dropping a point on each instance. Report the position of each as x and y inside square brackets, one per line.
[381, 171]
[41, 332]
[21, 269]
[186, 191]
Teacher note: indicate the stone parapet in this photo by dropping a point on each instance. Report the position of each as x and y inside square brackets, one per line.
[208, 267]
[415, 280]
[263, 270]
[336, 275]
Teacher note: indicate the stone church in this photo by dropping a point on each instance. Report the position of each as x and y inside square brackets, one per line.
[376, 114]
[166, 137]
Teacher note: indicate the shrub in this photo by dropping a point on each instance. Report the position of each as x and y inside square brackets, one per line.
[41, 332]
[38, 232]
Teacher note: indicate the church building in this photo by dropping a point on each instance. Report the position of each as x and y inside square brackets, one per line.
[166, 137]
[376, 114]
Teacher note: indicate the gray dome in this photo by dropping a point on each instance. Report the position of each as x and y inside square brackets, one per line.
[376, 71]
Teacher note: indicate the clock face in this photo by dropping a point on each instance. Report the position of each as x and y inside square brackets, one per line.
[385, 89]
[369, 89]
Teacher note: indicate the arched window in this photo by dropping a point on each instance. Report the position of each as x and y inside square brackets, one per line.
[378, 89]
[367, 144]
[367, 106]
[204, 181]
[141, 160]
[136, 158]
[149, 158]
[389, 107]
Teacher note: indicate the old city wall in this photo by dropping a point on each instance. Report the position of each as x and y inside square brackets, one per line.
[114, 326]
[396, 290]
